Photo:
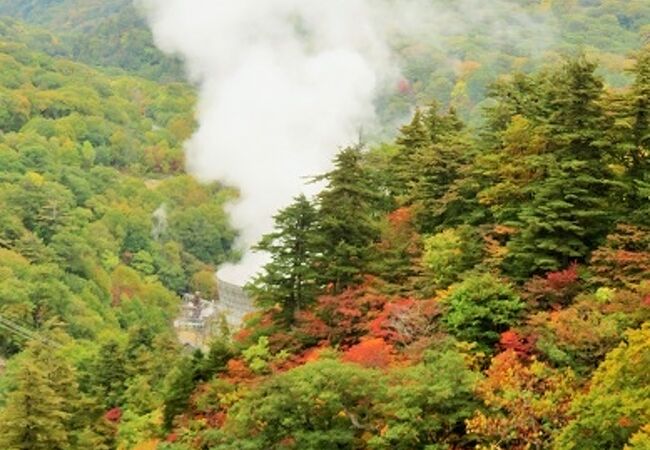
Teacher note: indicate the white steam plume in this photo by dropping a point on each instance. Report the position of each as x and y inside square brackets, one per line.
[283, 85]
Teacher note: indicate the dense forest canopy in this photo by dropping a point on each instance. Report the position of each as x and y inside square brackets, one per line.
[481, 280]
[96, 32]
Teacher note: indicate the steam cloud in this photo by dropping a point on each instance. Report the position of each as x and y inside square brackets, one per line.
[285, 83]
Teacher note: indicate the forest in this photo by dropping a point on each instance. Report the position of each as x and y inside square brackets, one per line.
[479, 279]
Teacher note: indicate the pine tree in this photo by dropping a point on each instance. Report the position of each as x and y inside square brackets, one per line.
[639, 155]
[347, 227]
[412, 138]
[636, 151]
[38, 412]
[433, 155]
[569, 212]
[109, 375]
[180, 383]
[290, 279]
[440, 194]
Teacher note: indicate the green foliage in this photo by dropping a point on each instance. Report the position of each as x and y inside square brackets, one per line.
[323, 405]
[480, 307]
[618, 402]
[427, 404]
[216, 360]
[44, 410]
[290, 278]
[450, 253]
[569, 212]
[179, 385]
[99, 33]
[100, 229]
[347, 229]
[257, 356]
[96, 235]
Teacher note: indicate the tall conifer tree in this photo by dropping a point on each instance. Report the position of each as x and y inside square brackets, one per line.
[38, 414]
[290, 279]
[569, 212]
[347, 228]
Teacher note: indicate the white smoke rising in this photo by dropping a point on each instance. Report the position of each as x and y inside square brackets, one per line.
[283, 85]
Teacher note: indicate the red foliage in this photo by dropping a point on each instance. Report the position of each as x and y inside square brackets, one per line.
[310, 325]
[344, 318]
[554, 290]
[216, 419]
[404, 86]
[564, 278]
[113, 415]
[374, 353]
[284, 341]
[523, 346]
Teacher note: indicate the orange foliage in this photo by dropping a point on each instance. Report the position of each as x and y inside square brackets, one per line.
[526, 403]
[401, 217]
[624, 261]
[522, 346]
[374, 353]
[237, 370]
[311, 355]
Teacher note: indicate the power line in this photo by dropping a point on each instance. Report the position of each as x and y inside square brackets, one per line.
[25, 333]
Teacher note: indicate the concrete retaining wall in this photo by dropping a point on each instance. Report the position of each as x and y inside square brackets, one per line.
[233, 302]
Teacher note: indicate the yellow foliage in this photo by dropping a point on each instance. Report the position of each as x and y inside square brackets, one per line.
[148, 445]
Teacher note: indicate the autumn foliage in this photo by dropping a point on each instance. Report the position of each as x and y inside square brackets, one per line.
[374, 353]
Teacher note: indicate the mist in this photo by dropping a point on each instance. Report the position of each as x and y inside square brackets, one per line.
[284, 84]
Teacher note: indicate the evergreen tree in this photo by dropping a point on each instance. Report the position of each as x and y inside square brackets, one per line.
[37, 415]
[216, 361]
[440, 193]
[181, 381]
[634, 141]
[290, 278]
[569, 211]
[412, 138]
[347, 228]
[109, 375]
[433, 154]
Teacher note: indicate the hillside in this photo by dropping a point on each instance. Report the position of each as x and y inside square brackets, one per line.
[451, 61]
[100, 33]
[451, 290]
[478, 280]
[100, 230]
